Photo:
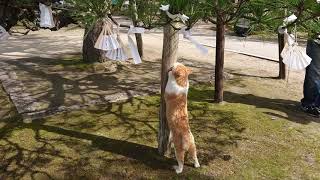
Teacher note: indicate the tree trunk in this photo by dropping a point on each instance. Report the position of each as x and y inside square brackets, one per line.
[169, 57]
[89, 53]
[135, 18]
[139, 44]
[220, 45]
[282, 66]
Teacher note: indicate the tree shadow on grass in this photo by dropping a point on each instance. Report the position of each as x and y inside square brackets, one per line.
[289, 107]
[142, 153]
[214, 130]
[52, 139]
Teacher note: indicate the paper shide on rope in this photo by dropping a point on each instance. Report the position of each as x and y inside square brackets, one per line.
[292, 55]
[107, 40]
[185, 31]
[187, 35]
[46, 17]
[118, 53]
[182, 17]
[114, 47]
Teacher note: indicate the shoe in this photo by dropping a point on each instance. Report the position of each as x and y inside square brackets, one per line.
[311, 110]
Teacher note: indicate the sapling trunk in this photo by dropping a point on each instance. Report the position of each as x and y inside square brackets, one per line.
[220, 46]
[169, 57]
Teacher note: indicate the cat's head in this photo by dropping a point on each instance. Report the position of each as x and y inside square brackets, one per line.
[181, 73]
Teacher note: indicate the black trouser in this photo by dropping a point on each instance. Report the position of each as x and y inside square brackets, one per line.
[311, 87]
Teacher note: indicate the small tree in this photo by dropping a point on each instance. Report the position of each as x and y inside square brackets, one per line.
[135, 20]
[221, 13]
[194, 10]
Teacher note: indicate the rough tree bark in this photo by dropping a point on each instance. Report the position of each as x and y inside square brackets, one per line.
[133, 6]
[169, 57]
[139, 44]
[220, 45]
[282, 66]
[89, 53]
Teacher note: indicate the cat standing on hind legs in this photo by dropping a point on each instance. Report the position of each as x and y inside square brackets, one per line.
[176, 93]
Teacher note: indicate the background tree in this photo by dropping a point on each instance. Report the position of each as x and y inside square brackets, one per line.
[221, 13]
[264, 15]
[135, 19]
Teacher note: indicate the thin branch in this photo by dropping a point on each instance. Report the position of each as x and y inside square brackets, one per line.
[239, 7]
[212, 20]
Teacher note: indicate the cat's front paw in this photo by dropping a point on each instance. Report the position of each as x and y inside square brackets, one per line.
[178, 169]
[196, 165]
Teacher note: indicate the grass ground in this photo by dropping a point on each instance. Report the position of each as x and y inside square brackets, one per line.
[245, 138]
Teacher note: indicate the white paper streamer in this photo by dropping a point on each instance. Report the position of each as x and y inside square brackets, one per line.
[187, 35]
[134, 51]
[120, 53]
[106, 40]
[166, 8]
[4, 35]
[46, 18]
[290, 19]
[292, 55]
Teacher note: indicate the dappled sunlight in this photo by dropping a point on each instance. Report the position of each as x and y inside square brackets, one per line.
[54, 85]
[34, 45]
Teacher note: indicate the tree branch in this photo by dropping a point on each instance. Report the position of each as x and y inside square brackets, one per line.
[233, 15]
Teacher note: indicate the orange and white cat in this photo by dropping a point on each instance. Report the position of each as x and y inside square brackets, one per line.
[176, 93]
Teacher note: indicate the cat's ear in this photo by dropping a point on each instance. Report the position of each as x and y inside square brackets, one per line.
[189, 70]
